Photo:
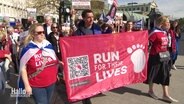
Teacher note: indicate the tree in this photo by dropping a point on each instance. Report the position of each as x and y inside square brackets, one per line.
[97, 6]
[44, 6]
[52, 6]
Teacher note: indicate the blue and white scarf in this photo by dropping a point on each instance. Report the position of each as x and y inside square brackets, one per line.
[29, 51]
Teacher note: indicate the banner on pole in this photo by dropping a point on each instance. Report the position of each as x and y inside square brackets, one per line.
[112, 12]
[81, 4]
[95, 64]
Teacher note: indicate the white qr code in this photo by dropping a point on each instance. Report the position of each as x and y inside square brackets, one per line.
[78, 67]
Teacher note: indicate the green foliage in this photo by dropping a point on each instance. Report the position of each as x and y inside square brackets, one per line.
[44, 6]
[51, 6]
[97, 7]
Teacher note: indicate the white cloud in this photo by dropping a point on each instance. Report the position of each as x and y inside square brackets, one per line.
[173, 8]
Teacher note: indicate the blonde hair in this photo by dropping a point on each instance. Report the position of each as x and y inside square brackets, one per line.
[31, 33]
[160, 20]
[2, 35]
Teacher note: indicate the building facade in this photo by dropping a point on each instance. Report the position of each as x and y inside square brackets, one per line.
[13, 8]
[141, 8]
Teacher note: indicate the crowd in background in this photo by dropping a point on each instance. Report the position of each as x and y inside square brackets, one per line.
[14, 40]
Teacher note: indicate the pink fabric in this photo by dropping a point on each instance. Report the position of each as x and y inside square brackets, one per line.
[95, 64]
[173, 40]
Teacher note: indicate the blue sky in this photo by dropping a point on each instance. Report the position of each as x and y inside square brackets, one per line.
[173, 8]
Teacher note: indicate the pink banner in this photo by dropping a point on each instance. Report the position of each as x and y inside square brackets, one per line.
[98, 63]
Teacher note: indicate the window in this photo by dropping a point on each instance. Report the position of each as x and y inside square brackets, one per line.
[8, 10]
[3, 10]
[146, 8]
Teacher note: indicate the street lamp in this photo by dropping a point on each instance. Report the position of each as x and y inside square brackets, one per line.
[66, 15]
[64, 12]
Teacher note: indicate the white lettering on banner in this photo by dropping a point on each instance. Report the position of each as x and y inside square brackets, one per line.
[100, 67]
[81, 3]
[110, 73]
[108, 65]
[115, 64]
[106, 57]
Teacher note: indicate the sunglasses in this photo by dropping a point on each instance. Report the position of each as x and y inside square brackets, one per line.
[54, 27]
[40, 32]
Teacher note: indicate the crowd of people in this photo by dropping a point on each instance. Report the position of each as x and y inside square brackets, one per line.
[36, 55]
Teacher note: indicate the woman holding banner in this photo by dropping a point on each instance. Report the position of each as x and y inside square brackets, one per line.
[159, 57]
[129, 26]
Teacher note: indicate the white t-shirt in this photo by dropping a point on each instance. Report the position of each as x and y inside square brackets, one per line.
[49, 30]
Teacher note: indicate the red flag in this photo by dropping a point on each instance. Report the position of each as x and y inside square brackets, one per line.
[113, 9]
[115, 2]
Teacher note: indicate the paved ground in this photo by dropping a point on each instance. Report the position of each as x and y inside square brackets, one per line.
[132, 94]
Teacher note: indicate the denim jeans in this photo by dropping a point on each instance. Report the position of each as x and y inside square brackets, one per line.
[2, 82]
[6, 68]
[43, 95]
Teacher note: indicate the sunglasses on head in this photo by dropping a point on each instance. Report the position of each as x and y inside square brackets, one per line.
[40, 32]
